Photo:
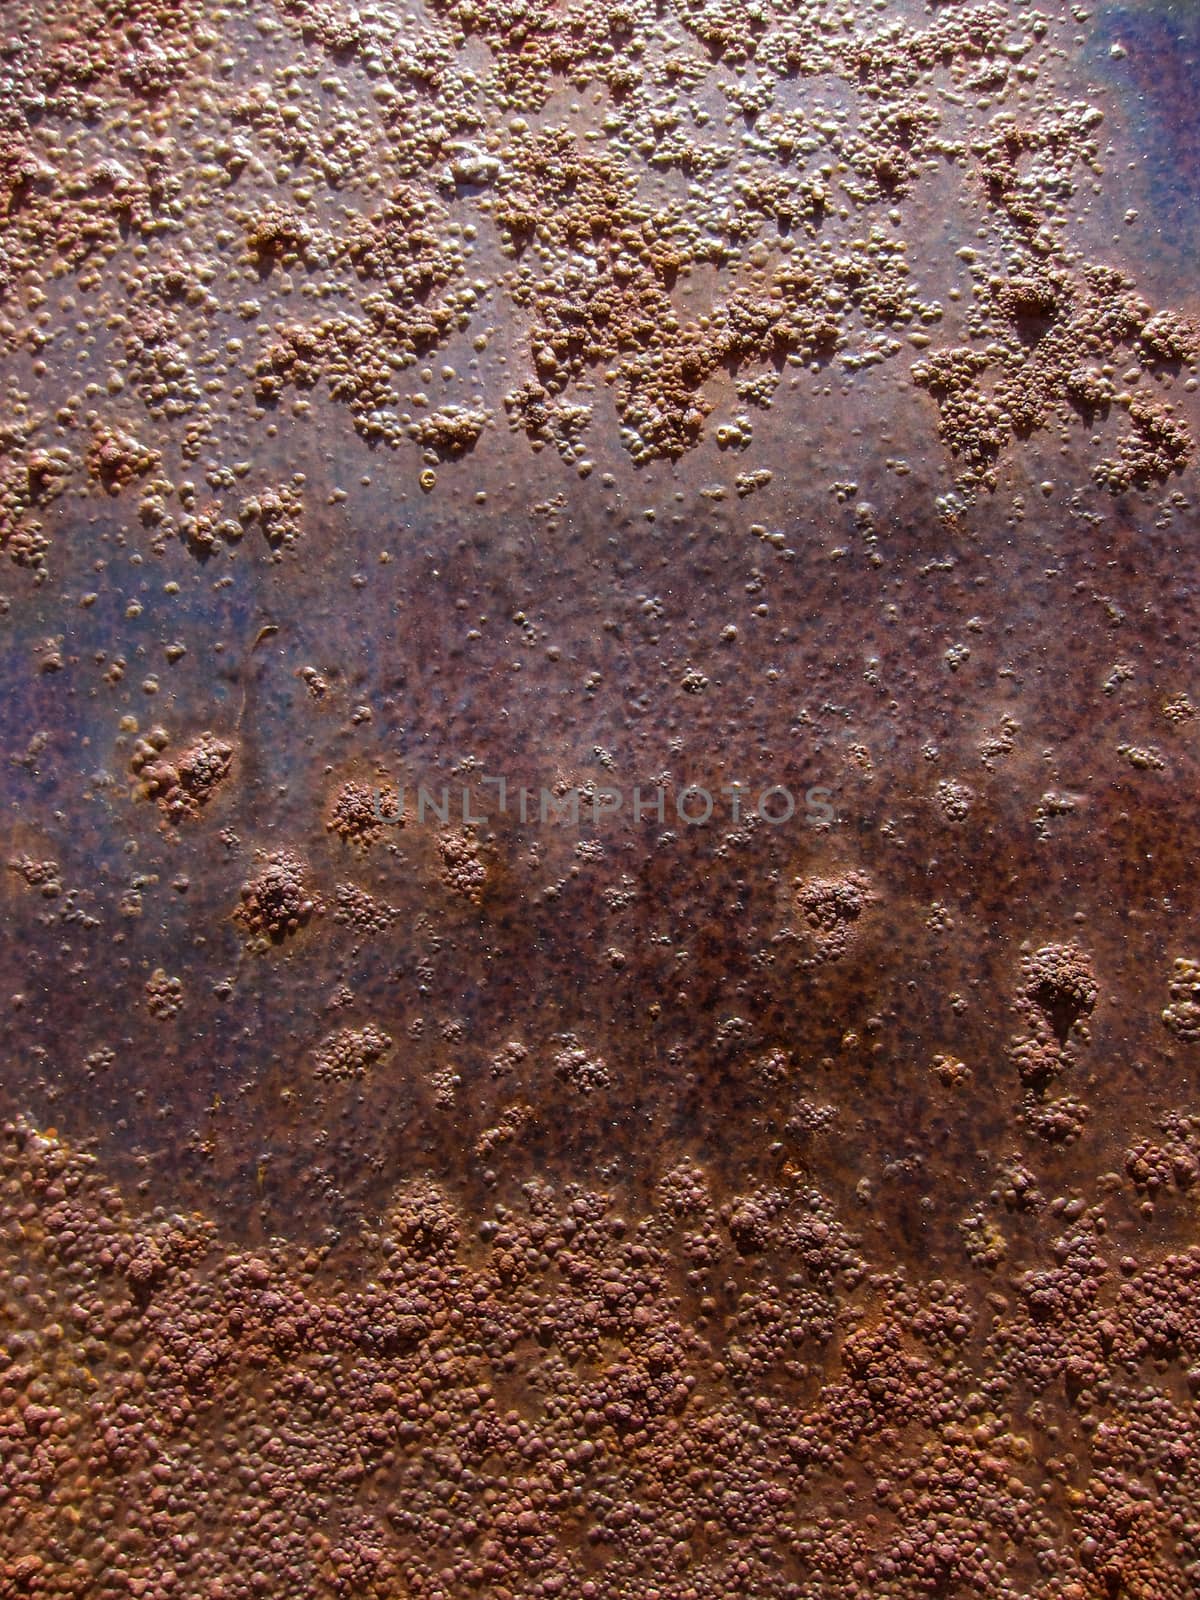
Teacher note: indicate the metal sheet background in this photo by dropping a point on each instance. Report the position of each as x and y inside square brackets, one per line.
[693, 1211]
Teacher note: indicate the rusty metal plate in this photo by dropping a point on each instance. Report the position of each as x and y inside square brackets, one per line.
[602, 991]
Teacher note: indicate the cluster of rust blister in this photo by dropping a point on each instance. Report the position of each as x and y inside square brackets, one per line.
[1057, 995]
[279, 900]
[719, 1396]
[796, 206]
[182, 784]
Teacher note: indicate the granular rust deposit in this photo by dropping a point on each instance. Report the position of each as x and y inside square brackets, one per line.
[413, 1193]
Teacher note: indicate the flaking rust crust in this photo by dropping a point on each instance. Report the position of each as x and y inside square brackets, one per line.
[405, 1201]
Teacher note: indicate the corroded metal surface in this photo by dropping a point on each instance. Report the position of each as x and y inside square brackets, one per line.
[599, 398]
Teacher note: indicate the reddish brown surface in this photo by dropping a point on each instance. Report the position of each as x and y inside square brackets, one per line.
[597, 399]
